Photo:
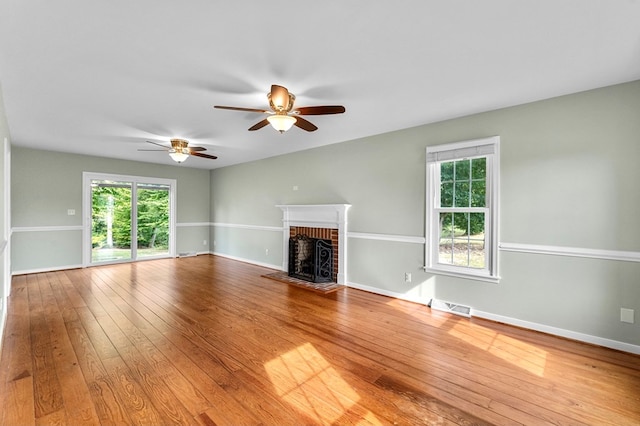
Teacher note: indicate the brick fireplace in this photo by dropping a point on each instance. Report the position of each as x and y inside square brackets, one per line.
[323, 234]
[324, 221]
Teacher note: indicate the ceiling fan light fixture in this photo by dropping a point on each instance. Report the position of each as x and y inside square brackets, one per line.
[283, 115]
[178, 156]
[281, 122]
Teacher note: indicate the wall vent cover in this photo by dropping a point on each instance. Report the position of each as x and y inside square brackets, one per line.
[187, 254]
[453, 308]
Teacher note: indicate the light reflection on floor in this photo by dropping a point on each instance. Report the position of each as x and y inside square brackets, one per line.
[513, 351]
[516, 352]
[304, 379]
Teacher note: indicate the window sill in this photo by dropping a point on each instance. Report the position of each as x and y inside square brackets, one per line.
[486, 278]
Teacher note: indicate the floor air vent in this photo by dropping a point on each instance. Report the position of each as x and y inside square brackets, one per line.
[453, 308]
[187, 254]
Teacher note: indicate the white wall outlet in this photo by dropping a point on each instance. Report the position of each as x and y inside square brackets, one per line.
[204, 242]
[266, 251]
[626, 315]
[295, 187]
[407, 277]
[71, 212]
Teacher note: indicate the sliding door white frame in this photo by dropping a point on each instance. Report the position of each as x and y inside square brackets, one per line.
[87, 177]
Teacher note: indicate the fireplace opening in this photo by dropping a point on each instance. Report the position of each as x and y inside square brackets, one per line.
[311, 259]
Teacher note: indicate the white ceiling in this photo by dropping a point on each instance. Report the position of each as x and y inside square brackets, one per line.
[102, 77]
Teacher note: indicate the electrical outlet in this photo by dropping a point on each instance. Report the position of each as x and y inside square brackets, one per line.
[626, 315]
[407, 277]
[71, 212]
[204, 242]
[266, 251]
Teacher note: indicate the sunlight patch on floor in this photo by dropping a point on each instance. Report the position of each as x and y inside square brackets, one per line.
[513, 351]
[304, 379]
[418, 311]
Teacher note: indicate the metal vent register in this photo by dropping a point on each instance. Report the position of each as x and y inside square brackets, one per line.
[453, 308]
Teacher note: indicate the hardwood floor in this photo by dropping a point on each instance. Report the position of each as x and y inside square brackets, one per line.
[208, 341]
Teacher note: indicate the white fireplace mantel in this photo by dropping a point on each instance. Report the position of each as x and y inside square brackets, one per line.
[333, 216]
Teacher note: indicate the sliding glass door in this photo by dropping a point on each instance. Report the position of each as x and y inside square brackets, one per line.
[153, 220]
[110, 220]
[128, 218]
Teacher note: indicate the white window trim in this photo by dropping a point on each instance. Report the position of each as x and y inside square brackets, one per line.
[486, 147]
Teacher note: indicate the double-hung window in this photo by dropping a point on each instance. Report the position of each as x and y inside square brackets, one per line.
[462, 209]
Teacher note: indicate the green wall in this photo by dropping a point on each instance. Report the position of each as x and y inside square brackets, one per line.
[569, 179]
[46, 184]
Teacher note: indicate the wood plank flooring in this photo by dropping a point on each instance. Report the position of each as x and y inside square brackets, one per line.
[208, 341]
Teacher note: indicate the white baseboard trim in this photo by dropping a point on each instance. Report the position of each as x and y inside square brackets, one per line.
[41, 270]
[389, 293]
[252, 262]
[573, 335]
[3, 322]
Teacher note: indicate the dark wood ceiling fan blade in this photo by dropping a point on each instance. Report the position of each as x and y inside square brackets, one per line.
[159, 144]
[280, 97]
[155, 150]
[263, 111]
[259, 125]
[198, 154]
[196, 148]
[305, 124]
[320, 110]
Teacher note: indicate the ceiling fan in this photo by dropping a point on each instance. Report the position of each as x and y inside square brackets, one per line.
[282, 114]
[180, 150]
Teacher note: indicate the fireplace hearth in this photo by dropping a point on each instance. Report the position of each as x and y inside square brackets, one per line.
[311, 259]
